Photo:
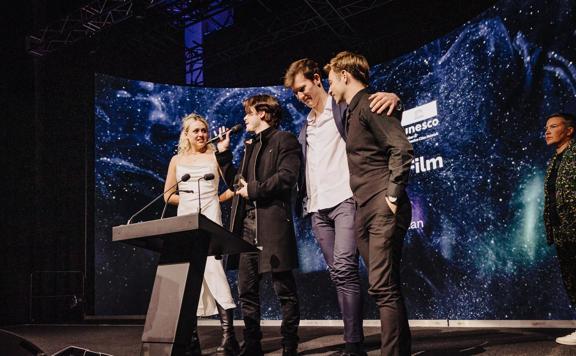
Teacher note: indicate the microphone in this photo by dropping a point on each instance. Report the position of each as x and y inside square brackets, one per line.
[171, 194]
[184, 178]
[233, 129]
[207, 176]
[166, 204]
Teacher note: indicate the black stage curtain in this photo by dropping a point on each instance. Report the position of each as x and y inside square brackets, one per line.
[47, 164]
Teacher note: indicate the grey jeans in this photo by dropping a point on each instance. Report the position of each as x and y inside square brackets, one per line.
[334, 231]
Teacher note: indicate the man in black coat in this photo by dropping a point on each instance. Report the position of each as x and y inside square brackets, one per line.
[379, 159]
[262, 215]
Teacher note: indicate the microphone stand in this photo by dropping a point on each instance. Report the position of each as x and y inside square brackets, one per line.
[207, 176]
[166, 204]
[199, 200]
[183, 179]
[171, 194]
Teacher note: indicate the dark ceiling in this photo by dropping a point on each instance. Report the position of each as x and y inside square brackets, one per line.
[265, 36]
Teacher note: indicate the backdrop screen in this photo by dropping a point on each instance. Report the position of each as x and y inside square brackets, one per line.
[476, 101]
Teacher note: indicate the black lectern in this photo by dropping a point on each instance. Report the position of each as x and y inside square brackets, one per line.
[183, 242]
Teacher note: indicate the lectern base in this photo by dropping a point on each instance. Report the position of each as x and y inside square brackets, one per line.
[163, 349]
[184, 242]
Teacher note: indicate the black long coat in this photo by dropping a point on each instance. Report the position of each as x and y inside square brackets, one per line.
[278, 158]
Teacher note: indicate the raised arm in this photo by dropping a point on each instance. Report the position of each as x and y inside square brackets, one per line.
[227, 168]
[224, 158]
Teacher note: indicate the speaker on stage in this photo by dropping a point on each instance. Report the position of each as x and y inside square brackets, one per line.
[15, 345]
[78, 351]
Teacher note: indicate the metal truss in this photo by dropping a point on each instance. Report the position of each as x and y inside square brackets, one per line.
[184, 14]
[194, 63]
[187, 12]
[314, 15]
[83, 23]
[279, 22]
[100, 15]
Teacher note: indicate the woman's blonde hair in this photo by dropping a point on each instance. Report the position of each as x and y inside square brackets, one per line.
[183, 143]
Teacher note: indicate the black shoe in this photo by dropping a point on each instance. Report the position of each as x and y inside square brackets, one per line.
[354, 349]
[229, 345]
[251, 349]
[291, 350]
[346, 353]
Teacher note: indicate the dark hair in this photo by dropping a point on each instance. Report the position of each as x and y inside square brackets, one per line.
[306, 66]
[267, 104]
[569, 119]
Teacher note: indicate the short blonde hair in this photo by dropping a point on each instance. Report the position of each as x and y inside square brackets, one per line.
[183, 143]
[355, 64]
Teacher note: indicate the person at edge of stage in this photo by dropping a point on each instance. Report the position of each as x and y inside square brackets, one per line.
[196, 158]
[262, 215]
[379, 157]
[560, 202]
[324, 193]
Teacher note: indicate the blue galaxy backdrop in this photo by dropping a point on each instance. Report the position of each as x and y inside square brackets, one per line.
[476, 101]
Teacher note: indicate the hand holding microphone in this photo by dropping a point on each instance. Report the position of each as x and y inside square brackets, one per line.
[223, 136]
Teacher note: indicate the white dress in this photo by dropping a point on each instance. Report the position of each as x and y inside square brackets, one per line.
[215, 286]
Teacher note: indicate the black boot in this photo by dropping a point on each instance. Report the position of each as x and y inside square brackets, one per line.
[251, 348]
[229, 345]
[290, 350]
[354, 349]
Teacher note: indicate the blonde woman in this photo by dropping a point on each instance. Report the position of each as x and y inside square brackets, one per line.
[196, 157]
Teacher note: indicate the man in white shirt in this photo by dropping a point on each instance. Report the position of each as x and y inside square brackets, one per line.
[324, 188]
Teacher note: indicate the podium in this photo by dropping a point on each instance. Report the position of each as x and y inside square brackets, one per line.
[183, 242]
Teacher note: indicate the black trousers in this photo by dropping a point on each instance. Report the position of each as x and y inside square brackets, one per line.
[249, 293]
[380, 236]
[567, 258]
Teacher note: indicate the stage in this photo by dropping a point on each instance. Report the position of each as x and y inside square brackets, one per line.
[96, 91]
[124, 340]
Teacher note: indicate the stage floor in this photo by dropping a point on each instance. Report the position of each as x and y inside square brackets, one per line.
[124, 340]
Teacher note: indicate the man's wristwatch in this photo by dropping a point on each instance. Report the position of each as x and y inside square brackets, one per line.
[399, 106]
[393, 200]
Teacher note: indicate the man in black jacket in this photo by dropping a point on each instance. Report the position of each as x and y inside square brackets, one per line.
[262, 215]
[379, 158]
